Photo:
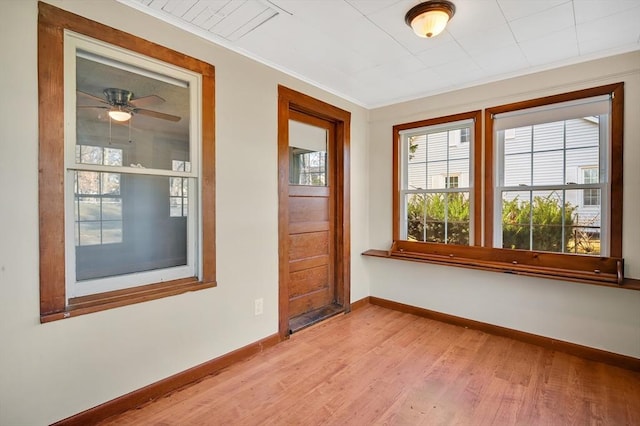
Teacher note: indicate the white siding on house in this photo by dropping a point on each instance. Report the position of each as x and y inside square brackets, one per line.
[553, 154]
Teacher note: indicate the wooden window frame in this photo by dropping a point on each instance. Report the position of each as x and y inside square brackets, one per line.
[476, 190]
[600, 270]
[52, 22]
[615, 167]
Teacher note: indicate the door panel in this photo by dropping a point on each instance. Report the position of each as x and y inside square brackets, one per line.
[311, 280]
[313, 207]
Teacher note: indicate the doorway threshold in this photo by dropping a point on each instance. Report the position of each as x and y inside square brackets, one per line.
[313, 317]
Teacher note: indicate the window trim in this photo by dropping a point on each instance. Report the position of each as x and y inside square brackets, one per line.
[562, 266]
[615, 159]
[51, 25]
[476, 164]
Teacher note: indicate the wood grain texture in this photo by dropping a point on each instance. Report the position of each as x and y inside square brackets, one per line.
[380, 366]
[296, 105]
[498, 266]
[165, 386]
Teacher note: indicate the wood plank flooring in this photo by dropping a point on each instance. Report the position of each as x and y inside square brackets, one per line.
[377, 366]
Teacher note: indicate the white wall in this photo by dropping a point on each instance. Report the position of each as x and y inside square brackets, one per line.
[51, 371]
[599, 317]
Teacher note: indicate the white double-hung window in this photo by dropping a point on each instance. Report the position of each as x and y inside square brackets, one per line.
[436, 199]
[552, 177]
[129, 119]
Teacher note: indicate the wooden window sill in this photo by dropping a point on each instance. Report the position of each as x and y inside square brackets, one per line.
[114, 299]
[611, 278]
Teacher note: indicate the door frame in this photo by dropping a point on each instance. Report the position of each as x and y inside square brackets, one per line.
[291, 100]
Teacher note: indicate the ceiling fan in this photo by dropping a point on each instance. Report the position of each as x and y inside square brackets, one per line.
[122, 105]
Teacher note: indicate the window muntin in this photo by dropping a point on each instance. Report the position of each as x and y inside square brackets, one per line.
[433, 208]
[165, 120]
[539, 191]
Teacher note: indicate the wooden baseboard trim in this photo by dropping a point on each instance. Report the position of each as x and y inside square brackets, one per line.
[360, 303]
[168, 385]
[585, 352]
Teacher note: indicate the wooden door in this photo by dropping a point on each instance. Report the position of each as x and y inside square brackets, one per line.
[311, 281]
[313, 211]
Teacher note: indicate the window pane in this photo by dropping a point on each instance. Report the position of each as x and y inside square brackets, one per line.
[460, 170]
[577, 159]
[516, 219]
[89, 154]
[110, 183]
[437, 144]
[460, 151]
[175, 206]
[550, 221]
[417, 149]
[435, 218]
[548, 136]
[547, 168]
[175, 186]
[89, 233]
[417, 176]
[458, 218]
[517, 170]
[416, 209]
[437, 172]
[583, 132]
[584, 228]
[521, 141]
[147, 237]
[112, 157]
[88, 182]
[89, 209]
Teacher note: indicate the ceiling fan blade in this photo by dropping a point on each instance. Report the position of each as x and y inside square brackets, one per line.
[156, 114]
[85, 95]
[146, 101]
[93, 106]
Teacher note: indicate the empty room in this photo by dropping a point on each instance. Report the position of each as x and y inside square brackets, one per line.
[305, 212]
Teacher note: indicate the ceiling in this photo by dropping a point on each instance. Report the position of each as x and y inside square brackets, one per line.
[363, 51]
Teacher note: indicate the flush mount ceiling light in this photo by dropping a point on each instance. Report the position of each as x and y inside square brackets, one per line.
[428, 19]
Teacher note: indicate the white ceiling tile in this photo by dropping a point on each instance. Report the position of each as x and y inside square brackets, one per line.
[461, 70]
[514, 9]
[543, 23]
[442, 54]
[474, 16]
[501, 60]
[367, 7]
[399, 67]
[490, 39]
[618, 30]
[554, 47]
[589, 10]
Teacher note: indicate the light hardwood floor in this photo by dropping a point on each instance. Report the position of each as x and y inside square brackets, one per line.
[379, 366]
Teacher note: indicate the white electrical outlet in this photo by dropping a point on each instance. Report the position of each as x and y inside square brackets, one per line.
[258, 306]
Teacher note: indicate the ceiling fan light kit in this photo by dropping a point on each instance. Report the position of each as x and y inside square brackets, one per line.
[119, 115]
[430, 18]
[122, 105]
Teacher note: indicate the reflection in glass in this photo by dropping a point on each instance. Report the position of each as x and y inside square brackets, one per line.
[307, 155]
[130, 230]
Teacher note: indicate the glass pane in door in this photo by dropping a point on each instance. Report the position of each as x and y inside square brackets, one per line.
[307, 154]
